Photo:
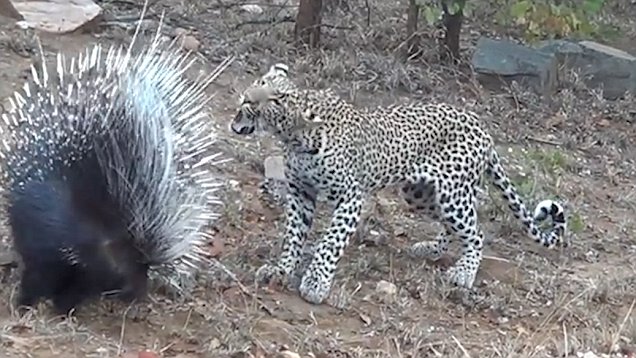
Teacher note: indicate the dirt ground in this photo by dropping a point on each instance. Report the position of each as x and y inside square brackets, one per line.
[528, 301]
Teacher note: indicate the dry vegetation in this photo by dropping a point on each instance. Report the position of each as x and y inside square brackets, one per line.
[529, 302]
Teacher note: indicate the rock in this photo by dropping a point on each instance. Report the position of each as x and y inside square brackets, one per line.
[214, 344]
[275, 167]
[288, 354]
[499, 62]
[58, 16]
[190, 43]
[606, 50]
[180, 31]
[386, 289]
[252, 9]
[187, 41]
[565, 51]
[276, 10]
[601, 66]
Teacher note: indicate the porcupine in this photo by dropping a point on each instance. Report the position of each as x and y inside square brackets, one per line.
[107, 174]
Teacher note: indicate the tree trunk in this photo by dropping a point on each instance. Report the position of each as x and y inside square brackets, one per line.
[307, 29]
[412, 38]
[453, 28]
[7, 9]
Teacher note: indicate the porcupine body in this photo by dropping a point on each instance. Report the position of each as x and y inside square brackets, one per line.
[106, 173]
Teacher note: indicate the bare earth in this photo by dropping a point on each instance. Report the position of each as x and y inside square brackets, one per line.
[528, 301]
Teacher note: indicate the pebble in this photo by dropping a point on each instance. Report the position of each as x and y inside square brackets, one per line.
[252, 8]
[275, 167]
[386, 288]
[188, 42]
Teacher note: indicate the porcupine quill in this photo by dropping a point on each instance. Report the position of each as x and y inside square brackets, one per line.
[107, 173]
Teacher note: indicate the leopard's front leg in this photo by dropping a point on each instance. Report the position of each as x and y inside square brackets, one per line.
[318, 278]
[300, 206]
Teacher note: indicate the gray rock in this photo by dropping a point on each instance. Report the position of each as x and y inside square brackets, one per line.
[275, 167]
[565, 51]
[600, 66]
[499, 62]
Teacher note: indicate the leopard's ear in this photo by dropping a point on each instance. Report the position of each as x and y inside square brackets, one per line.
[279, 69]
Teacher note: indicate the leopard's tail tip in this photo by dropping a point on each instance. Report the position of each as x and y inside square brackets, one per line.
[556, 212]
[549, 208]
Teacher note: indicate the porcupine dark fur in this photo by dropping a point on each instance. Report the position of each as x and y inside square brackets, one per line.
[106, 173]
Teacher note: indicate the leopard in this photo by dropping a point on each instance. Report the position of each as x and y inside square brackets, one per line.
[437, 155]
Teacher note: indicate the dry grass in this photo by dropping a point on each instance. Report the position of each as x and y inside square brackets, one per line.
[529, 302]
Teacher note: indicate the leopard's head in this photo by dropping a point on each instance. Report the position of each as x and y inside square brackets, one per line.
[262, 104]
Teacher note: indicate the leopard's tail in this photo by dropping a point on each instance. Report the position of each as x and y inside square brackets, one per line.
[543, 210]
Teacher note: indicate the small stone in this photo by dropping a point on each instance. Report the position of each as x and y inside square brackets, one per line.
[214, 343]
[592, 256]
[23, 25]
[190, 43]
[252, 9]
[588, 355]
[386, 288]
[180, 32]
[275, 167]
[503, 320]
